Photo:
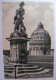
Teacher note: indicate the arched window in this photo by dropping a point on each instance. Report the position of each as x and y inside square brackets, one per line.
[37, 32]
[41, 48]
[34, 48]
[44, 51]
[37, 48]
[41, 37]
[37, 37]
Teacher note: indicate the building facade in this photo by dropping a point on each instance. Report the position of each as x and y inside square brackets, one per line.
[40, 42]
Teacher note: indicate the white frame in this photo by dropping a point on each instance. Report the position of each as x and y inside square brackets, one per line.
[1, 46]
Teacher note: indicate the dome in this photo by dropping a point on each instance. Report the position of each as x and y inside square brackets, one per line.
[40, 34]
[40, 39]
[40, 26]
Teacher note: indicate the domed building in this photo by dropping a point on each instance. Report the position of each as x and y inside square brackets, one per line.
[40, 41]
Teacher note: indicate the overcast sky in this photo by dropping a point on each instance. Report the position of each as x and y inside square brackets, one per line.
[34, 13]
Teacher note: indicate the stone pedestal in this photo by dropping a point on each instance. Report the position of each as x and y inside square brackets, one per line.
[18, 49]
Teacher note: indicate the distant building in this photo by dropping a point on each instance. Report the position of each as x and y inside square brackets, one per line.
[40, 42]
[52, 51]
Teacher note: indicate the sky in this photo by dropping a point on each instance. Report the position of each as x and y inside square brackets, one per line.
[34, 13]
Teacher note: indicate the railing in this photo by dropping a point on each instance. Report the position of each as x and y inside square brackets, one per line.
[36, 66]
[25, 71]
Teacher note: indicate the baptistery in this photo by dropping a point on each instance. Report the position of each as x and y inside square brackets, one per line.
[40, 41]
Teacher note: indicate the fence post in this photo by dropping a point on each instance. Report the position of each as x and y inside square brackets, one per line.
[15, 71]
